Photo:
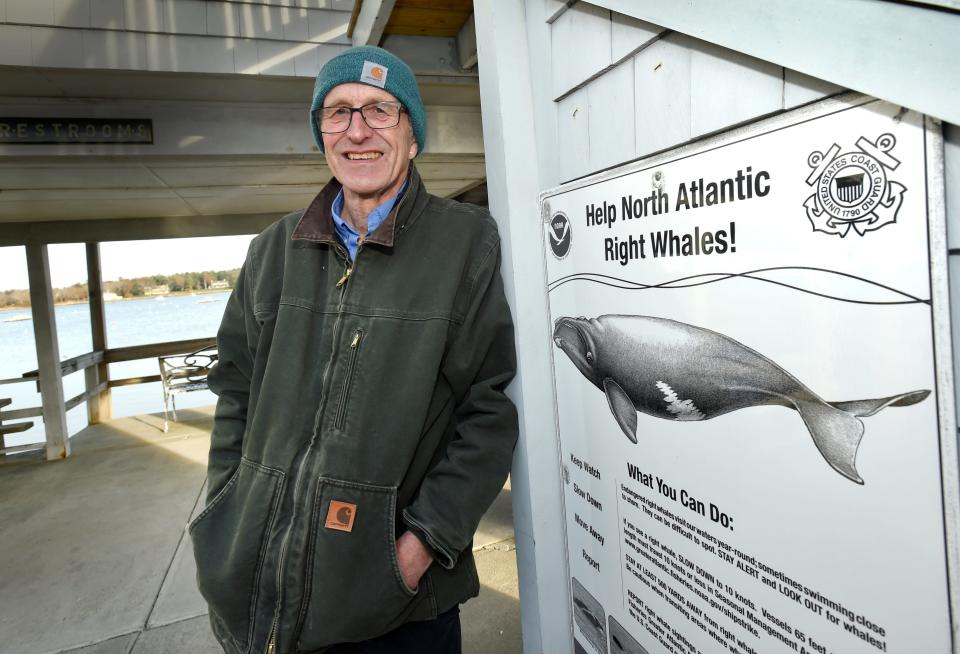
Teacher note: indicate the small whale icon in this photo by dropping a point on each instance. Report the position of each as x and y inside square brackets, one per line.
[676, 371]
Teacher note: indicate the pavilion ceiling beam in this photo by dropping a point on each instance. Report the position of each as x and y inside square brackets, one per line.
[133, 229]
[430, 56]
[371, 21]
[467, 44]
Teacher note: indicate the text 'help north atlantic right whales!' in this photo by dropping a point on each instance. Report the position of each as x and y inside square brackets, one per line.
[744, 185]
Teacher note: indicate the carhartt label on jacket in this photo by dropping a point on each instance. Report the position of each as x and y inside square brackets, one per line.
[340, 515]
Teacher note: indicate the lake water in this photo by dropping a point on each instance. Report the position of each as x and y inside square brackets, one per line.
[131, 322]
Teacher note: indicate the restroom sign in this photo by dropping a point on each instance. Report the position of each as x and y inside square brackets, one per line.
[75, 131]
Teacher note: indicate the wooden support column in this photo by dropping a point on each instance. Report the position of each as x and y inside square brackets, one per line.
[372, 19]
[512, 48]
[48, 352]
[99, 408]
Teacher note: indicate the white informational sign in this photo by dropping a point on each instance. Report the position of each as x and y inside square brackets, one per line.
[751, 412]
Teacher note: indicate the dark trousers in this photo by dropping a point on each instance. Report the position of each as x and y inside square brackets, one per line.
[438, 636]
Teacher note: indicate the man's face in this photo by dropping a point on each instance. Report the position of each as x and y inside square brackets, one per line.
[368, 162]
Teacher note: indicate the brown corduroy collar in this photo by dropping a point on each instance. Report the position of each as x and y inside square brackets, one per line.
[316, 223]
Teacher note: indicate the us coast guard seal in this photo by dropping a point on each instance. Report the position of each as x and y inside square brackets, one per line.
[560, 236]
[851, 190]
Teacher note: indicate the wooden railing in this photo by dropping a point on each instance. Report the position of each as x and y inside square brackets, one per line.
[89, 362]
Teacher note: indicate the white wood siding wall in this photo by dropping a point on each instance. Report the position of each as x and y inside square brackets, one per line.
[625, 88]
[569, 89]
[272, 37]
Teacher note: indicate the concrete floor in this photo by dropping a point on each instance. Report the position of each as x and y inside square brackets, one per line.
[96, 559]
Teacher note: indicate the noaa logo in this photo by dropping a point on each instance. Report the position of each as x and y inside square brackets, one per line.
[851, 190]
[560, 235]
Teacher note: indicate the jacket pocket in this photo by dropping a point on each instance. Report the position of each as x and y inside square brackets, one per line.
[351, 371]
[356, 591]
[228, 544]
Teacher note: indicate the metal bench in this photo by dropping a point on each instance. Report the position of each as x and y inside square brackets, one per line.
[183, 373]
[10, 428]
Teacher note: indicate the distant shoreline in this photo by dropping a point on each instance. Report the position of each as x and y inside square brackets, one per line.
[208, 291]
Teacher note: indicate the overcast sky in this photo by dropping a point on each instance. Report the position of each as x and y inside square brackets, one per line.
[128, 259]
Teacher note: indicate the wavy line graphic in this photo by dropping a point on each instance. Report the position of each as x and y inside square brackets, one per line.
[754, 275]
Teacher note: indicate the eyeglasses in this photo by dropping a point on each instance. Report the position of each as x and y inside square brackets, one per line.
[377, 115]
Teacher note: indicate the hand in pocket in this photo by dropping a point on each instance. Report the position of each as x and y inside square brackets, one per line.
[414, 559]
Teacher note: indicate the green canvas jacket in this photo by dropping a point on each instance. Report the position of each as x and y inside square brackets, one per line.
[356, 401]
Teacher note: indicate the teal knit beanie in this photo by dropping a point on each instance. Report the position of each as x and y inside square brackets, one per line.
[374, 66]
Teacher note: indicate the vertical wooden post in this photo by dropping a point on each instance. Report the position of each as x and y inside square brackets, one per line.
[100, 408]
[513, 46]
[48, 352]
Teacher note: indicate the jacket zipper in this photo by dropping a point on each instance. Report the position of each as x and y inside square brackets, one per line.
[349, 270]
[341, 284]
[345, 393]
[272, 643]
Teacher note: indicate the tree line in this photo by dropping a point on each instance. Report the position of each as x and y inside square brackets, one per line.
[127, 288]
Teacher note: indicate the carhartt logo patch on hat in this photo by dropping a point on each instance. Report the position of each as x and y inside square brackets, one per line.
[374, 74]
[340, 516]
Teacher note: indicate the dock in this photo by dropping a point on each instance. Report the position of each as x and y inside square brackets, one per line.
[97, 559]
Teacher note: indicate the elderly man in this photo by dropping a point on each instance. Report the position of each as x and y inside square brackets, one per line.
[362, 428]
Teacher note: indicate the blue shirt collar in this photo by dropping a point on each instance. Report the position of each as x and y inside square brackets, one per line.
[347, 234]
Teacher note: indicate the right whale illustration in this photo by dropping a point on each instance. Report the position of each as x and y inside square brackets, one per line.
[673, 370]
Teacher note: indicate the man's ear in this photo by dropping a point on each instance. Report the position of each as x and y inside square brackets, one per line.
[414, 147]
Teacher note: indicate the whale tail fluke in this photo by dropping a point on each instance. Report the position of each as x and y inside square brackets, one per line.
[836, 434]
[867, 408]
